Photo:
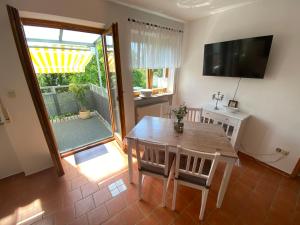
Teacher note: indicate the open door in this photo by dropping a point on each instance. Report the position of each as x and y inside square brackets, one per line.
[114, 81]
[21, 44]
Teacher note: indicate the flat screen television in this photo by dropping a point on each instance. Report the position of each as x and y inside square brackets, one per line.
[238, 58]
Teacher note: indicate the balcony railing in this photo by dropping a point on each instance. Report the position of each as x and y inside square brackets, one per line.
[61, 102]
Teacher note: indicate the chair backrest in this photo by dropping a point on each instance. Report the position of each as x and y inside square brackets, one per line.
[152, 154]
[193, 114]
[196, 163]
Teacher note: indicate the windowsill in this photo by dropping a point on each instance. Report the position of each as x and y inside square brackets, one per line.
[155, 96]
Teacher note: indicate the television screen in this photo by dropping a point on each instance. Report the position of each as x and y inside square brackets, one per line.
[239, 58]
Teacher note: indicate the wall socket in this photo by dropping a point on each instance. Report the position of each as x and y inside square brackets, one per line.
[282, 151]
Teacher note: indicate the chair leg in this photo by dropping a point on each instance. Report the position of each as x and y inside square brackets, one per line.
[174, 194]
[171, 174]
[140, 185]
[164, 193]
[203, 203]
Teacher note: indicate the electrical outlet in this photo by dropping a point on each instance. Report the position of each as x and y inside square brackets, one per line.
[282, 151]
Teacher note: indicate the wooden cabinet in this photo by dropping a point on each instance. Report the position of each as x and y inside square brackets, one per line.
[232, 123]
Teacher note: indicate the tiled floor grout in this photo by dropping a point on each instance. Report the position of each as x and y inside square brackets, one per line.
[246, 183]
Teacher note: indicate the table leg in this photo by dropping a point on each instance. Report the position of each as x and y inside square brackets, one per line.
[224, 184]
[129, 151]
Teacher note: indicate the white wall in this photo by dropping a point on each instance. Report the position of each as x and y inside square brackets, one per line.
[9, 164]
[24, 132]
[274, 101]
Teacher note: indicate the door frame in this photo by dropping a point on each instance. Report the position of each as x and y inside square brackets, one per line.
[30, 76]
[24, 55]
[113, 30]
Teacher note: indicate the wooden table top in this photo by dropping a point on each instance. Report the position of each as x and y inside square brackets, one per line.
[197, 136]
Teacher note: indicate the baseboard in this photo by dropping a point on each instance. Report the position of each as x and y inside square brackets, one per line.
[265, 164]
[296, 170]
[3, 179]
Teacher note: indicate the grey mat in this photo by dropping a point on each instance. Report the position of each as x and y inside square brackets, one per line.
[89, 154]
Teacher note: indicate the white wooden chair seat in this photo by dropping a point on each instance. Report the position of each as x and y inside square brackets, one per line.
[192, 179]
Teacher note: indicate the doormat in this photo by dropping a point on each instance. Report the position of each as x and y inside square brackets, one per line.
[89, 154]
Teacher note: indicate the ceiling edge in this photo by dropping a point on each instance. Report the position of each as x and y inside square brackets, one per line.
[148, 11]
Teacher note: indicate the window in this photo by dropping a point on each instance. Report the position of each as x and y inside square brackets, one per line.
[41, 33]
[155, 79]
[158, 76]
[139, 79]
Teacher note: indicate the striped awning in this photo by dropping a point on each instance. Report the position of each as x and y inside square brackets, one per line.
[60, 60]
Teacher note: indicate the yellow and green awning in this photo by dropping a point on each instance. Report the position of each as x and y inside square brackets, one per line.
[60, 60]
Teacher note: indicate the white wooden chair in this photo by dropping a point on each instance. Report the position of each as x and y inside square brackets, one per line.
[193, 114]
[155, 160]
[196, 170]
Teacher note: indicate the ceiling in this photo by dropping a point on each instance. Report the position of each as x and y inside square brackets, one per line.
[173, 10]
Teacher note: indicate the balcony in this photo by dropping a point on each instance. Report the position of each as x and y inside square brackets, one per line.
[71, 131]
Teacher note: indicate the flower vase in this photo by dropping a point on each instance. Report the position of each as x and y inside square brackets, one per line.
[178, 127]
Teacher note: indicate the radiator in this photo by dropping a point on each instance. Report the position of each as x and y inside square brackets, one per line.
[159, 110]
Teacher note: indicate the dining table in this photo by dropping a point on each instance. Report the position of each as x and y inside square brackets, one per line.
[203, 137]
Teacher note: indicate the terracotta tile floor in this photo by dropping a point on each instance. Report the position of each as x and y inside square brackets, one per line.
[98, 192]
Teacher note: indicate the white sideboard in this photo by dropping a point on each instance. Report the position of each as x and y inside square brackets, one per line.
[232, 123]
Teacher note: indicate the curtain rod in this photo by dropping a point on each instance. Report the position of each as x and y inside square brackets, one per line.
[154, 25]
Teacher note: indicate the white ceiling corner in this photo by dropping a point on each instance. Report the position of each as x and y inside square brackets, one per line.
[172, 10]
[144, 9]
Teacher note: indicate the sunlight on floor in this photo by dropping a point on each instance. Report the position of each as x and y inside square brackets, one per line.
[103, 166]
[117, 187]
[27, 214]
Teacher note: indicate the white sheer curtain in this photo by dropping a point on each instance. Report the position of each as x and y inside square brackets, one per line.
[154, 47]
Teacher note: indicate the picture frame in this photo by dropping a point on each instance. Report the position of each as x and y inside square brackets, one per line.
[233, 103]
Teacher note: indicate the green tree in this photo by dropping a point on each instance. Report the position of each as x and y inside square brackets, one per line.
[91, 69]
[139, 78]
[53, 79]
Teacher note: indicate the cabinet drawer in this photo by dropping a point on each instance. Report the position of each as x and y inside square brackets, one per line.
[228, 120]
[220, 118]
[208, 114]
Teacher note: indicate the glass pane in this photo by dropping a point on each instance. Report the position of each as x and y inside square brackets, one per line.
[112, 76]
[41, 33]
[139, 79]
[76, 36]
[159, 80]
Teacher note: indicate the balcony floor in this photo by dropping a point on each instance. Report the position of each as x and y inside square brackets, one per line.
[75, 133]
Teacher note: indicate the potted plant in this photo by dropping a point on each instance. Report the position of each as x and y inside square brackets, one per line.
[79, 92]
[179, 113]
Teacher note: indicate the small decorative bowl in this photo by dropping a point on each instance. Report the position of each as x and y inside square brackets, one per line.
[146, 93]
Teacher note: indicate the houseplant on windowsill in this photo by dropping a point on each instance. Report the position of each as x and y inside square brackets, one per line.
[79, 92]
[179, 113]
